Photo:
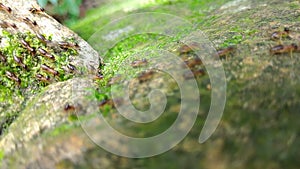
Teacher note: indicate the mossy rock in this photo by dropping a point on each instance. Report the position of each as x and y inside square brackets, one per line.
[259, 127]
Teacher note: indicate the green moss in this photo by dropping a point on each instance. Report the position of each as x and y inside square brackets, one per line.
[61, 129]
[294, 5]
[98, 17]
[260, 121]
[118, 59]
[1, 156]
[101, 15]
[24, 82]
[234, 40]
[32, 61]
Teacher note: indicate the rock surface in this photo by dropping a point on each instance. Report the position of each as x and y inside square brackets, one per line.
[259, 129]
[43, 111]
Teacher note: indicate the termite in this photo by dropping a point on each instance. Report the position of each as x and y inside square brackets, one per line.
[111, 103]
[193, 62]
[34, 10]
[145, 76]
[69, 108]
[106, 102]
[194, 73]
[280, 49]
[98, 77]
[139, 63]
[4, 24]
[27, 46]
[30, 22]
[225, 52]
[46, 54]
[114, 80]
[19, 62]
[2, 58]
[188, 48]
[71, 67]
[43, 78]
[278, 35]
[67, 45]
[13, 77]
[42, 38]
[50, 70]
[5, 8]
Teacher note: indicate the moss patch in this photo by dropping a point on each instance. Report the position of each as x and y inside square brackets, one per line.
[257, 125]
[21, 68]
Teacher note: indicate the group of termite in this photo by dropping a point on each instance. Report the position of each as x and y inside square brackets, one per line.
[191, 63]
[280, 48]
[194, 62]
[34, 51]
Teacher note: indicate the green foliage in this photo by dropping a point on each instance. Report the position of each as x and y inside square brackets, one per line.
[70, 7]
[1, 156]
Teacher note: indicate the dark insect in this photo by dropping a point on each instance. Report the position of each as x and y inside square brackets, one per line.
[145, 76]
[111, 103]
[67, 45]
[13, 77]
[19, 62]
[5, 8]
[5, 25]
[42, 51]
[43, 78]
[194, 73]
[34, 10]
[139, 63]
[114, 80]
[193, 62]
[13, 26]
[46, 54]
[71, 67]
[280, 49]
[69, 108]
[30, 22]
[188, 48]
[42, 38]
[278, 35]
[98, 76]
[27, 46]
[50, 70]
[106, 102]
[226, 52]
[2, 58]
